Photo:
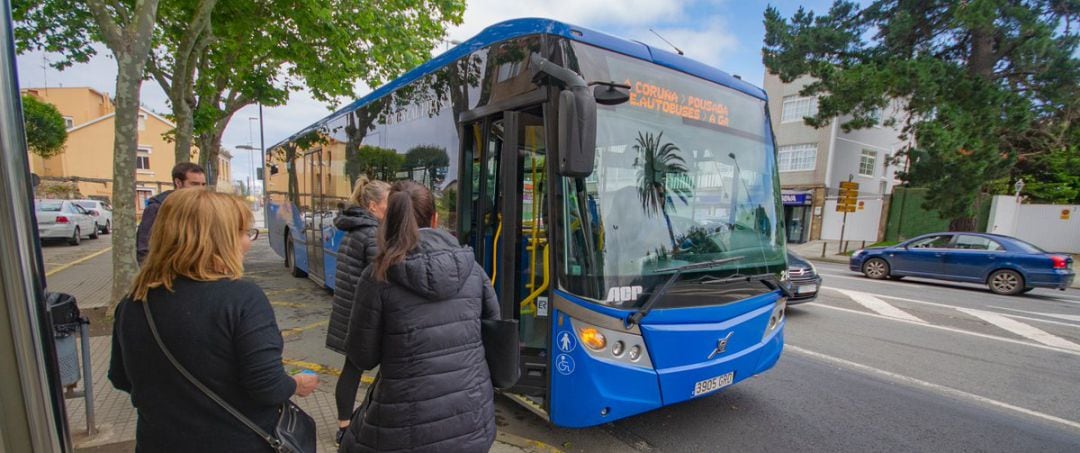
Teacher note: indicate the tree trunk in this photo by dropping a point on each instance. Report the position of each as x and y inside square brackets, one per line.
[125, 146]
[208, 157]
[962, 224]
[130, 45]
[185, 126]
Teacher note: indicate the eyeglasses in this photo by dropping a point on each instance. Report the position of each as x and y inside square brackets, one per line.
[253, 234]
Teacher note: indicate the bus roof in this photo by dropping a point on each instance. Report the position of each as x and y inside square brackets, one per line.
[516, 28]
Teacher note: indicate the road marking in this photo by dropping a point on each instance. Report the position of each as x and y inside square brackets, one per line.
[949, 391]
[1019, 328]
[950, 286]
[292, 305]
[877, 305]
[282, 291]
[297, 330]
[78, 261]
[1051, 315]
[323, 369]
[947, 329]
[953, 307]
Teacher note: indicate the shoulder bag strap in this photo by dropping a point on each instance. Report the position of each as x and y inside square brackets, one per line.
[274, 442]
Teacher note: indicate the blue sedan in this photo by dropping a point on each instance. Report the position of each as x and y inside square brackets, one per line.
[1005, 264]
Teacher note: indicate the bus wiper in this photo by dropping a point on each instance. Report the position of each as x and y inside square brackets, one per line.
[768, 279]
[636, 317]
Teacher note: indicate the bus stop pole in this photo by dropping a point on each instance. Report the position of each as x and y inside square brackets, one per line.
[31, 399]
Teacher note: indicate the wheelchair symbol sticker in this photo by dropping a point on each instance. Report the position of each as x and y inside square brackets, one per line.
[567, 343]
[565, 364]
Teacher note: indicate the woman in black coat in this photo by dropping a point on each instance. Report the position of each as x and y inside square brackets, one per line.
[360, 223]
[220, 328]
[420, 323]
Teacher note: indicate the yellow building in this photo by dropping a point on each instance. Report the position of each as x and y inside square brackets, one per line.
[85, 168]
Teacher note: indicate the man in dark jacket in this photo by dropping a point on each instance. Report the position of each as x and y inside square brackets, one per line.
[422, 328]
[185, 175]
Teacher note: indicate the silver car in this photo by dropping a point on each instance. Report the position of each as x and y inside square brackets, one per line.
[63, 219]
[101, 211]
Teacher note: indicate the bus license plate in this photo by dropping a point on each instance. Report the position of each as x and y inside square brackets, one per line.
[716, 383]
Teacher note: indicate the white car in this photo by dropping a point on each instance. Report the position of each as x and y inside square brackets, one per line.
[63, 219]
[101, 211]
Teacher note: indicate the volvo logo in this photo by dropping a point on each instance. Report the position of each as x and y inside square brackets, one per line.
[721, 346]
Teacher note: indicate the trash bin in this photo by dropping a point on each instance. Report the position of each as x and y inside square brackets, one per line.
[64, 312]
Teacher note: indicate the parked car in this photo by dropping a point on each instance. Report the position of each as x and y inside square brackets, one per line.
[63, 219]
[803, 278]
[101, 211]
[1007, 265]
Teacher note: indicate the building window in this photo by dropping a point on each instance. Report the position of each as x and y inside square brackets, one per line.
[142, 121]
[866, 162]
[69, 122]
[797, 157]
[141, 197]
[795, 108]
[142, 160]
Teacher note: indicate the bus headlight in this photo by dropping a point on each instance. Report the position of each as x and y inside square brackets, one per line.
[776, 318]
[618, 348]
[592, 338]
[610, 345]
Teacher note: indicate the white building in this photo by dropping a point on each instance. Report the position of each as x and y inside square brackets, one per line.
[813, 162]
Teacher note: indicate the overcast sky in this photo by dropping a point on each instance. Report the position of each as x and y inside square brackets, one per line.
[723, 33]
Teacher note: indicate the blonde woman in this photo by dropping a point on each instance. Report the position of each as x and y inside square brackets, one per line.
[360, 222]
[220, 328]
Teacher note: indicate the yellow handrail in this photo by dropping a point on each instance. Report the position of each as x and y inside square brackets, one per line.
[529, 304]
[495, 251]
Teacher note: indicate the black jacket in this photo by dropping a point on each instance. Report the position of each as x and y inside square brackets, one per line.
[357, 250]
[422, 328]
[225, 334]
[142, 240]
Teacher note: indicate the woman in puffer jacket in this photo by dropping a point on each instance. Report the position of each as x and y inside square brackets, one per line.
[360, 223]
[418, 319]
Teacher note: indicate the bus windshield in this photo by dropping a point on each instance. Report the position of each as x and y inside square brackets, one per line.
[684, 175]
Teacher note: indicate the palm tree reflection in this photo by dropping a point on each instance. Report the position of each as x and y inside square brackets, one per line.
[657, 163]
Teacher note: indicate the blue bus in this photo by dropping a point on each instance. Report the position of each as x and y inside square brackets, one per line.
[624, 200]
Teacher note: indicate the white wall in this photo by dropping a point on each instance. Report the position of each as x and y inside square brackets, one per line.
[861, 225]
[1039, 224]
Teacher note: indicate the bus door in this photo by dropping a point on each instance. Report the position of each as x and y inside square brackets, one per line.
[313, 225]
[503, 217]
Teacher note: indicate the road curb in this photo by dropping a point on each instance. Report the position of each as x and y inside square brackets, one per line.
[529, 445]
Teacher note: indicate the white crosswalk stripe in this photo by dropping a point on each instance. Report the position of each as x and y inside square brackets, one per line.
[1019, 328]
[877, 305]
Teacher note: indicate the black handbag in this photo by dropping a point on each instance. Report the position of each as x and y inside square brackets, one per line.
[295, 430]
[501, 350]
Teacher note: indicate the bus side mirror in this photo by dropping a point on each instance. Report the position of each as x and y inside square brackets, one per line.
[577, 132]
[577, 117]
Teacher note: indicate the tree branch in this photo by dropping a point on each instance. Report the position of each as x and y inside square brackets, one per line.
[111, 32]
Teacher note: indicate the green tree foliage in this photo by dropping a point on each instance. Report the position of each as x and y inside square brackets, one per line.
[981, 82]
[656, 162]
[45, 128]
[429, 158]
[216, 57]
[375, 163]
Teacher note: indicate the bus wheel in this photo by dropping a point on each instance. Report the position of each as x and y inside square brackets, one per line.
[290, 258]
